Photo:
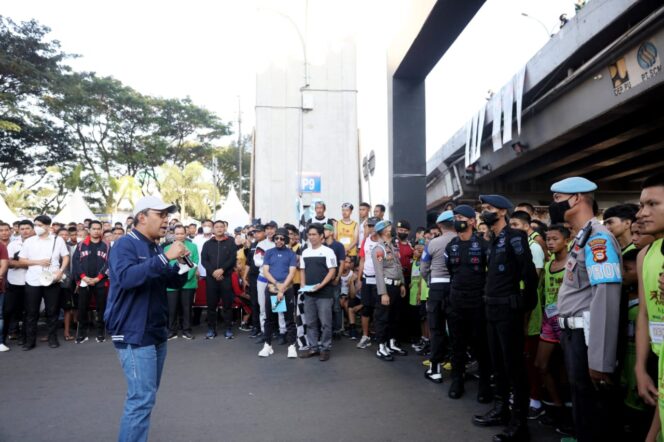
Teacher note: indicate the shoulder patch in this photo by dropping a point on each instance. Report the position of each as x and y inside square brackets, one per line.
[517, 245]
[602, 260]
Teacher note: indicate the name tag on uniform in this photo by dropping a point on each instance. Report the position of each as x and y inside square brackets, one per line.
[571, 263]
[656, 332]
[551, 310]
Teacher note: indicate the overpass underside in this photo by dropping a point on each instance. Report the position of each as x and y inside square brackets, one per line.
[597, 113]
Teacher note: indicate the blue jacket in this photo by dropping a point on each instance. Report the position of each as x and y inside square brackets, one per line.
[137, 308]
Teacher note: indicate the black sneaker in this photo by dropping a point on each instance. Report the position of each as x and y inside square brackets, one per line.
[172, 336]
[535, 413]
[187, 335]
[244, 327]
[81, 339]
[100, 338]
[53, 343]
[255, 333]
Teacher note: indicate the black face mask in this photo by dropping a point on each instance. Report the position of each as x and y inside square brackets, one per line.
[489, 218]
[460, 226]
[557, 211]
[402, 236]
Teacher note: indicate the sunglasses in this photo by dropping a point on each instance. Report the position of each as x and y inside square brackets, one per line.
[280, 238]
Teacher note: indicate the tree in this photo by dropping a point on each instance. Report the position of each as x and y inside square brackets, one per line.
[227, 164]
[28, 66]
[188, 188]
[187, 130]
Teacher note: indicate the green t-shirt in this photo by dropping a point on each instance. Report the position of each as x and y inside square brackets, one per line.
[192, 280]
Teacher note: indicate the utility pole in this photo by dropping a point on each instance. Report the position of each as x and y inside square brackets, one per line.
[240, 148]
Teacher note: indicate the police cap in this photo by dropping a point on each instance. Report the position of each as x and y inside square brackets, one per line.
[497, 201]
[447, 215]
[575, 184]
[464, 210]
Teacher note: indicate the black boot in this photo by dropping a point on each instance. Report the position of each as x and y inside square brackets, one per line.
[498, 415]
[516, 431]
[456, 388]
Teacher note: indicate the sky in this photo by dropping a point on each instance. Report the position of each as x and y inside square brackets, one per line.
[210, 50]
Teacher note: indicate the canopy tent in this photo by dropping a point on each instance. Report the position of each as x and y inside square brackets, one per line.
[75, 210]
[6, 213]
[233, 212]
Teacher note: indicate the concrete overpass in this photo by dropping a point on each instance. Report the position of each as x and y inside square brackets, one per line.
[579, 117]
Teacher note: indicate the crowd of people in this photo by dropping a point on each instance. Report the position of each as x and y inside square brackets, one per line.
[543, 314]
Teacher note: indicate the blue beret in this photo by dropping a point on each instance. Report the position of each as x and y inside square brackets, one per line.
[575, 184]
[497, 201]
[464, 210]
[382, 225]
[447, 215]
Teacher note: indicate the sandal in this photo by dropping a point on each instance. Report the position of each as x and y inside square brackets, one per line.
[69, 338]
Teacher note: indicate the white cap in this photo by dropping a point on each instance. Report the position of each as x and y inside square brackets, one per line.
[154, 203]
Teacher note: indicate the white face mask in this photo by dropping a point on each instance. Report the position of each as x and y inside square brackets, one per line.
[207, 230]
[39, 230]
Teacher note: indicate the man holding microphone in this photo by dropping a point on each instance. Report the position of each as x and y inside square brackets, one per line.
[137, 310]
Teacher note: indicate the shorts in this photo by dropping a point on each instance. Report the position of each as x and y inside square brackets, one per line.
[550, 330]
[69, 299]
[422, 311]
[354, 302]
[369, 295]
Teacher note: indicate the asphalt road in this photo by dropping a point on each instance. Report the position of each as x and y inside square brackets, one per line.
[221, 391]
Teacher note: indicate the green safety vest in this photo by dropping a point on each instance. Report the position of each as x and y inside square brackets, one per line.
[628, 248]
[652, 267]
[415, 282]
[628, 376]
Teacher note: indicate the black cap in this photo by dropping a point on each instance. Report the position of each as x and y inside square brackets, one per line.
[272, 224]
[281, 232]
[238, 229]
[259, 228]
[372, 221]
[404, 224]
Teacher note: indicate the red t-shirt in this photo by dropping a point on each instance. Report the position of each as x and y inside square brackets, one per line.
[406, 257]
[3, 255]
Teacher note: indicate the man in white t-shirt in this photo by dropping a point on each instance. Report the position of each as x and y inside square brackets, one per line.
[368, 282]
[47, 258]
[14, 311]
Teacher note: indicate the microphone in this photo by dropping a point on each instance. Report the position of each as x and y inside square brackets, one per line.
[188, 261]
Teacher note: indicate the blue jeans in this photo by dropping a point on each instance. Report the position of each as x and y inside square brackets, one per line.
[142, 368]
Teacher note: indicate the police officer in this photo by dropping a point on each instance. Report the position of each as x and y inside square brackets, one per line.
[509, 266]
[389, 286]
[466, 259]
[589, 309]
[434, 271]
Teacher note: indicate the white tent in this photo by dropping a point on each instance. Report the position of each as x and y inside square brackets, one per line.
[6, 213]
[75, 210]
[233, 212]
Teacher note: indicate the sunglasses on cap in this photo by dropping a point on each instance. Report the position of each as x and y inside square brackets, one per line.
[347, 206]
[280, 238]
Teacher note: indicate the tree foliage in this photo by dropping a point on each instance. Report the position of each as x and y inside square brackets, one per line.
[188, 188]
[108, 138]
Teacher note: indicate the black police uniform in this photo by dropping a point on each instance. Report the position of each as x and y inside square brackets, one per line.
[253, 289]
[509, 263]
[466, 262]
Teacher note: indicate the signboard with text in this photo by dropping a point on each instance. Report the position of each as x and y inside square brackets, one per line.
[310, 182]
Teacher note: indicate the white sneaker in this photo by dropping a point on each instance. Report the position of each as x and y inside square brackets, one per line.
[4, 348]
[266, 351]
[364, 342]
[292, 351]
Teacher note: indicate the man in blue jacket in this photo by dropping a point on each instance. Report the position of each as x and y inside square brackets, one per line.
[137, 310]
